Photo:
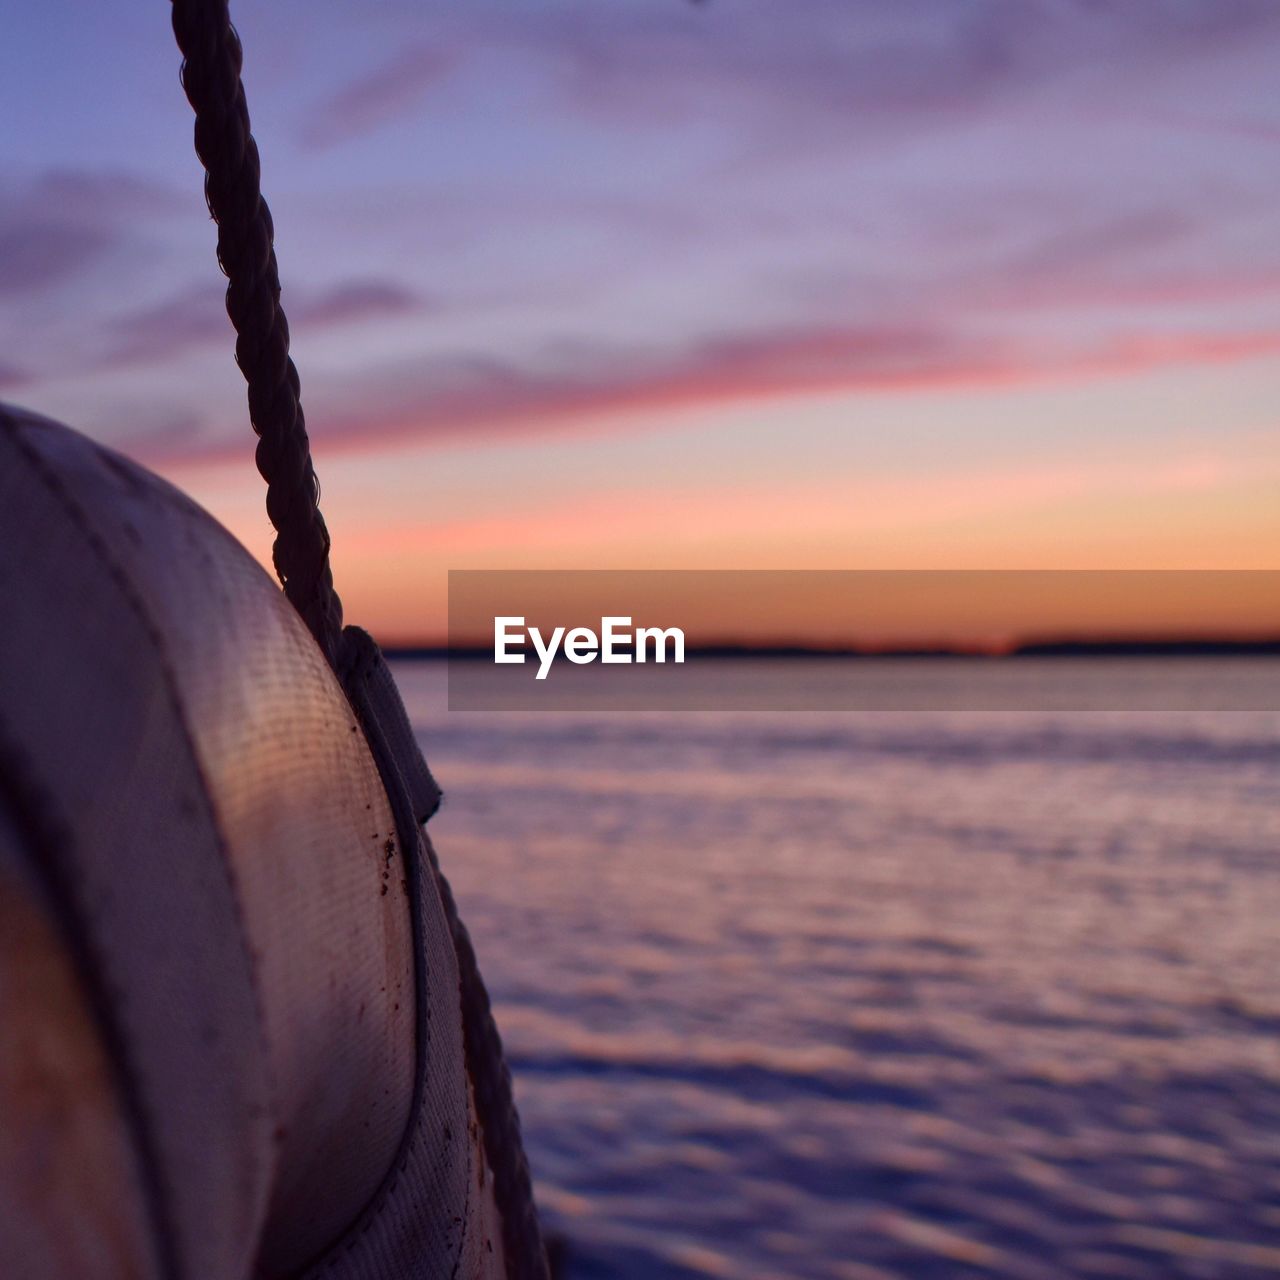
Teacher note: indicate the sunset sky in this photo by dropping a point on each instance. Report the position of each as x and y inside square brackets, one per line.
[648, 283]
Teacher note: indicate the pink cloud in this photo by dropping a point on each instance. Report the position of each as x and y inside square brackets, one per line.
[469, 399]
[770, 366]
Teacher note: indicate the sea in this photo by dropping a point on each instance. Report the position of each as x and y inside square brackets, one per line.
[867, 995]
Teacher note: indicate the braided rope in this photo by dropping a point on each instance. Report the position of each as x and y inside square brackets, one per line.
[212, 59]
[211, 78]
[526, 1256]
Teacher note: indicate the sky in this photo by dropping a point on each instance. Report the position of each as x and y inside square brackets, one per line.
[653, 283]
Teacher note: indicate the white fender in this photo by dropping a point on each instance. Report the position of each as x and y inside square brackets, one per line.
[213, 1065]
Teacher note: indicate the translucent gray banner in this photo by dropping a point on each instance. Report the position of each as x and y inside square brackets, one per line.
[656, 640]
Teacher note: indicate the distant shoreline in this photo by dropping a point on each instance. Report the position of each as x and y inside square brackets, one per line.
[1102, 648]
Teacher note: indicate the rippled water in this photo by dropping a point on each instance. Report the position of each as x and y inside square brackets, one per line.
[883, 995]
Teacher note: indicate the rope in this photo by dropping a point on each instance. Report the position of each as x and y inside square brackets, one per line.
[212, 59]
[522, 1242]
[211, 78]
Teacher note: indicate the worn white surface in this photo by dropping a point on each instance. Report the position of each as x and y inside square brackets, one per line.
[227, 854]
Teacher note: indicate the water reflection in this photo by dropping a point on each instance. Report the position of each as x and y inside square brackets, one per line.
[883, 996]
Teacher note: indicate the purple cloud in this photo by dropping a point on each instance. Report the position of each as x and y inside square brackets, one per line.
[37, 254]
[862, 64]
[110, 194]
[392, 89]
[146, 429]
[196, 316]
[65, 220]
[12, 377]
[354, 302]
